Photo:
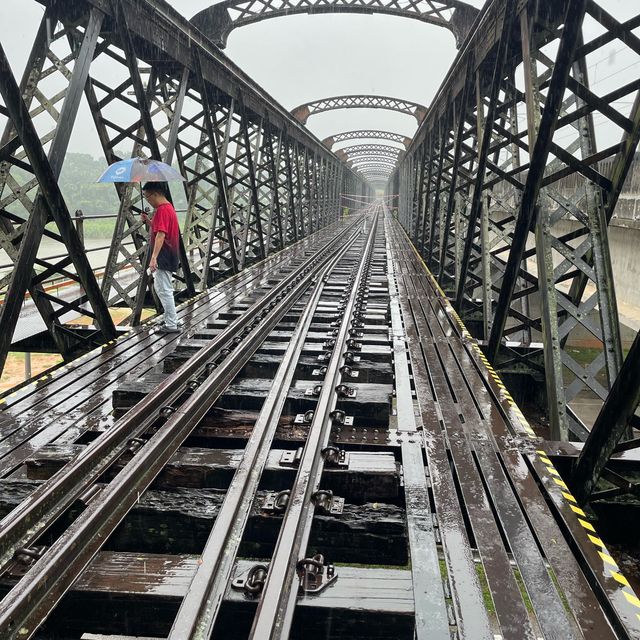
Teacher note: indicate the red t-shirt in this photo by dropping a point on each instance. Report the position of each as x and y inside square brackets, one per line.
[166, 220]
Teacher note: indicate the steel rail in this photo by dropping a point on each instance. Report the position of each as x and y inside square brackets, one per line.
[200, 607]
[276, 608]
[29, 603]
[31, 518]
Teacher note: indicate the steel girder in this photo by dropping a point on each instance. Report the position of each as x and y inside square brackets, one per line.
[304, 111]
[220, 19]
[368, 148]
[256, 179]
[356, 152]
[38, 119]
[481, 194]
[367, 165]
[363, 134]
[387, 158]
[375, 174]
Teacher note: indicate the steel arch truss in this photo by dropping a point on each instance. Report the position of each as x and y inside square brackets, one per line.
[375, 165]
[356, 161]
[220, 19]
[368, 149]
[376, 176]
[256, 179]
[304, 111]
[508, 196]
[363, 134]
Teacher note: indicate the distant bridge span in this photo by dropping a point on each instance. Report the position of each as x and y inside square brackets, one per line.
[304, 111]
[361, 134]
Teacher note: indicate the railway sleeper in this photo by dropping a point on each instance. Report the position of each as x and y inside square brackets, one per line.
[179, 521]
[367, 477]
[138, 594]
[371, 402]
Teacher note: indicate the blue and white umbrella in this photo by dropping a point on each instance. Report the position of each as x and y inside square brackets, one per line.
[140, 170]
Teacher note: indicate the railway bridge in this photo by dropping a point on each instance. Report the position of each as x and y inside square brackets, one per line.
[371, 423]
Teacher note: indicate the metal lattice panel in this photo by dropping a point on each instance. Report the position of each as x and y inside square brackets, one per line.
[38, 119]
[483, 195]
[256, 179]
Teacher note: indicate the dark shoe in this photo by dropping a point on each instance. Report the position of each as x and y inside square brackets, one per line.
[164, 329]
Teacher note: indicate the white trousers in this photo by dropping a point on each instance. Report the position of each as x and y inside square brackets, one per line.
[163, 285]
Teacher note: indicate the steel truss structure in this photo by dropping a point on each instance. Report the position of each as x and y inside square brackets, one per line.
[523, 260]
[375, 163]
[368, 149]
[220, 19]
[362, 134]
[369, 157]
[377, 167]
[304, 111]
[256, 179]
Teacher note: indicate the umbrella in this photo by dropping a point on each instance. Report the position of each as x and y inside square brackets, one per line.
[140, 170]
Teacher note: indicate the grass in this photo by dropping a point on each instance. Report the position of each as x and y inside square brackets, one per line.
[484, 585]
[523, 591]
[563, 597]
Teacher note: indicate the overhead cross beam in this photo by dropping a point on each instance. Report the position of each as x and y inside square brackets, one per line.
[359, 149]
[218, 20]
[363, 134]
[304, 111]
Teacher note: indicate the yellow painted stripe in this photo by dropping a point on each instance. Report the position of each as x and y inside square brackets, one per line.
[607, 558]
[586, 525]
[616, 575]
[597, 541]
[578, 510]
[632, 598]
[568, 497]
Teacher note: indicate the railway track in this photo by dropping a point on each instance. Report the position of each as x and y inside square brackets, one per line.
[323, 453]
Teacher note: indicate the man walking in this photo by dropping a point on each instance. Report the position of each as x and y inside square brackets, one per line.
[164, 241]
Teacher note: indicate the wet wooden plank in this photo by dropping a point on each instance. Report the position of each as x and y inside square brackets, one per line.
[139, 594]
[369, 476]
[372, 401]
[179, 521]
[587, 611]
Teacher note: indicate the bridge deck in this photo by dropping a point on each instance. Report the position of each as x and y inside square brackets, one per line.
[447, 492]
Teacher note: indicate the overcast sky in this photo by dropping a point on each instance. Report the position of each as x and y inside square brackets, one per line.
[301, 58]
